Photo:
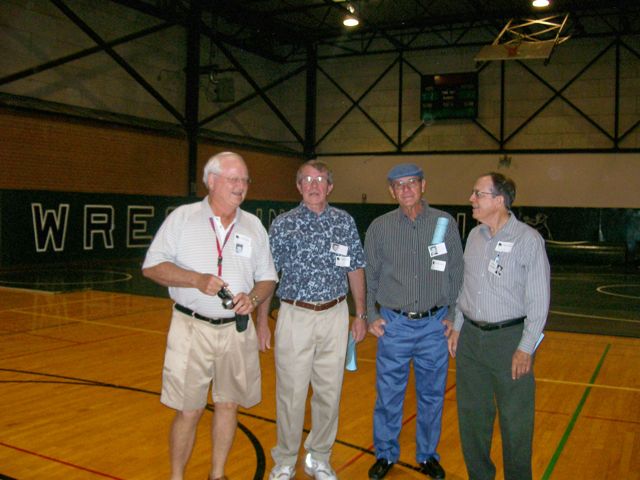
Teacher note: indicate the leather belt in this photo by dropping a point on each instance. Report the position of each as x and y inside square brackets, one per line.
[495, 326]
[212, 321]
[316, 307]
[419, 315]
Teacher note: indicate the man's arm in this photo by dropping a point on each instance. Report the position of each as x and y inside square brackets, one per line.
[170, 275]
[376, 324]
[262, 323]
[357, 285]
[244, 302]
[536, 305]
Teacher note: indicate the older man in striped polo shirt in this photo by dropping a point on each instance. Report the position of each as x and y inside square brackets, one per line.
[414, 271]
[501, 311]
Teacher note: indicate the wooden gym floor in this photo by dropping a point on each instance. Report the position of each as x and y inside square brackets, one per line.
[80, 381]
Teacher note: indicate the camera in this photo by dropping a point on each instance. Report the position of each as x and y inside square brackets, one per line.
[227, 298]
[227, 303]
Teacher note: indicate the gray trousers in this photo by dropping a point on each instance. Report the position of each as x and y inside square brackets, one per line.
[484, 384]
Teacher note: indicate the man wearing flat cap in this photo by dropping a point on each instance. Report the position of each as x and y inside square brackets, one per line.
[414, 271]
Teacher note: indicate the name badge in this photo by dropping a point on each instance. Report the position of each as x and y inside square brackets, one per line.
[343, 261]
[242, 245]
[437, 249]
[438, 265]
[339, 249]
[495, 268]
[504, 246]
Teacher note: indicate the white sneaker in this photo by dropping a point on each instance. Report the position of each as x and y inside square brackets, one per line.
[282, 472]
[318, 470]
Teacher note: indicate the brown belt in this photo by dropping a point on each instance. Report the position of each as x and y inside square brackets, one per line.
[316, 307]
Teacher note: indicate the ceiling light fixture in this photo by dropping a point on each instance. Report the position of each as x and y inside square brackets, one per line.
[540, 3]
[351, 20]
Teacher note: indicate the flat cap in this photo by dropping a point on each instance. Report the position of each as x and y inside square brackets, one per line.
[405, 170]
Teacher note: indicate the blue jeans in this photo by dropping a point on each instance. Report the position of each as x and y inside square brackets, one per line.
[404, 340]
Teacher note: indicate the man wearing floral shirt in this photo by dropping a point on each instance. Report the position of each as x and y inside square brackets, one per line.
[317, 250]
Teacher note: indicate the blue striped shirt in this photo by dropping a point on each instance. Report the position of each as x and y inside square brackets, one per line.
[521, 289]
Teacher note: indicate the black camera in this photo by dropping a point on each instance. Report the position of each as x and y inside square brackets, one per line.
[227, 302]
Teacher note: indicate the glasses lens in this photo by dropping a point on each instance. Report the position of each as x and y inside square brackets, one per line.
[309, 179]
[408, 183]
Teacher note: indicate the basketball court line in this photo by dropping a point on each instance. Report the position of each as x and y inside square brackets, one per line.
[58, 461]
[567, 433]
[594, 317]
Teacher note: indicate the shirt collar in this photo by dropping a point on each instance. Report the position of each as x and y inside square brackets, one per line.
[423, 214]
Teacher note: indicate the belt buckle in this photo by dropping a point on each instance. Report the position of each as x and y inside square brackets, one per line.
[413, 315]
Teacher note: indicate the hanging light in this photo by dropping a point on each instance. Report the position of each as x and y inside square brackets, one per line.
[351, 20]
[540, 3]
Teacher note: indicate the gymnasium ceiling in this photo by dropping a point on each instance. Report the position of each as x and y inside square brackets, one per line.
[283, 29]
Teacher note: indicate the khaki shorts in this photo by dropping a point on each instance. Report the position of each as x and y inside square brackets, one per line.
[199, 354]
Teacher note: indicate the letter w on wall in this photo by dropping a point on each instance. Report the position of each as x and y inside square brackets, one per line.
[49, 226]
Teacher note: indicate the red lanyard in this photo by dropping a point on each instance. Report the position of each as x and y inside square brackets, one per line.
[220, 249]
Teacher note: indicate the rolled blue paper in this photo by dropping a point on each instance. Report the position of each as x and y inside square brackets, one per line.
[350, 363]
[441, 229]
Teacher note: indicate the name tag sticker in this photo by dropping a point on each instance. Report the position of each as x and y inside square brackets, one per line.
[438, 265]
[504, 246]
[437, 249]
[343, 261]
[339, 249]
[495, 268]
[242, 245]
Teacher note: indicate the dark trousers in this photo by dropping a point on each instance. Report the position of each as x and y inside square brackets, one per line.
[484, 384]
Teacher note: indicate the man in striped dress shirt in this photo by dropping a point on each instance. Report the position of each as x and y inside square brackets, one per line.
[500, 314]
[414, 271]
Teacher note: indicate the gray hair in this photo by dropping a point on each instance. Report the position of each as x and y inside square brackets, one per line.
[214, 165]
[318, 165]
[503, 187]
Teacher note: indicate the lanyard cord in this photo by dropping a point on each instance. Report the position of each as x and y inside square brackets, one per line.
[220, 249]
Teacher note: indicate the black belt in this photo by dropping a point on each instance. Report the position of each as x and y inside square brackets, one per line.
[418, 315]
[212, 321]
[495, 326]
[316, 307]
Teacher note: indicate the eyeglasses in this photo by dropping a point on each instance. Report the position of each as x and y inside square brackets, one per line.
[410, 183]
[235, 180]
[479, 194]
[308, 179]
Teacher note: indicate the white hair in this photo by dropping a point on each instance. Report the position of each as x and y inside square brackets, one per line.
[214, 165]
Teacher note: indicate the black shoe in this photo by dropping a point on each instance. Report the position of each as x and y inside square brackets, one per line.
[432, 468]
[380, 469]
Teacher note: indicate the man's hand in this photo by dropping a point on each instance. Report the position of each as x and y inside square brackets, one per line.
[358, 329]
[209, 284]
[264, 335]
[377, 327]
[453, 343]
[243, 304]
[448, 327]
[520, 364]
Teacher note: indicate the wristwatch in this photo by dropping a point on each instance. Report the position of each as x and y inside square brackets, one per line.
[255, 300]
[363, 316]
